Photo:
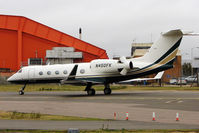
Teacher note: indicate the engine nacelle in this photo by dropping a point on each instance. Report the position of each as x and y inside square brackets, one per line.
[128, 65]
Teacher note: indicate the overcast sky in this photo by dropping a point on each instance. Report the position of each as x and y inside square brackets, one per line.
[113, 24]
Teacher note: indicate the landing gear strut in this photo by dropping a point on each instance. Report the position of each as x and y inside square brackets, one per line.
[21, 92]
[90, 91]
[107, 90]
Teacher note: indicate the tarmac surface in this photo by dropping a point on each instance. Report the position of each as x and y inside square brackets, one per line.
[139, 104]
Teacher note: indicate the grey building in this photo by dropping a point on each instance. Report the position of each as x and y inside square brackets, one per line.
[62, 55]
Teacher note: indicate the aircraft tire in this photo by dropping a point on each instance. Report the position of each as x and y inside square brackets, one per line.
[21, 92]
[91, 92]
[107, 91]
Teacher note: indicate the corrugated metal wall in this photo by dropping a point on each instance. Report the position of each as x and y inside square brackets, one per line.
[21, 38]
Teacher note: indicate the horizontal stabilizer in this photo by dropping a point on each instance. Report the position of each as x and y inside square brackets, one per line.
[172, 33]
[190, 34]
[158, 76]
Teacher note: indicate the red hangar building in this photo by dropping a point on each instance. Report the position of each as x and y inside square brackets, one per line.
[21, 37]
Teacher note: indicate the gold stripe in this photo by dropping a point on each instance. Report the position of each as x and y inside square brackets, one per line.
[169, 57]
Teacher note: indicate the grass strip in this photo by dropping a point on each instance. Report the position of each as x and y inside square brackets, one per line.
[37, 116]
[57, 87]
[52, 87]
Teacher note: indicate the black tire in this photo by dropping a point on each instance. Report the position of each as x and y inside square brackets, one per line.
[91, 92]
[107, 91]
[21, 92]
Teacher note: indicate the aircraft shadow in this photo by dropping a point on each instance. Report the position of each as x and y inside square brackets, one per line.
[70, 95]
[102, 95]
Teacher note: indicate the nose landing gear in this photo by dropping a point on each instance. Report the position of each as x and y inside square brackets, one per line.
[21, 92]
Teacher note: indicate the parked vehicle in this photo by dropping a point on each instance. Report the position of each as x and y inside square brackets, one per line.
[181, 81]
[191, 79]
[173, 81]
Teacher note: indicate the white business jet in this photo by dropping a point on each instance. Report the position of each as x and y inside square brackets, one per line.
[105, 71]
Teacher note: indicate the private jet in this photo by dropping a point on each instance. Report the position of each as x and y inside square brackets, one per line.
[160, 57]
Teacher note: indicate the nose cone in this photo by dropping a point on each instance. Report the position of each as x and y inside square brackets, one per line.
[16, 79]
[13, 78]
[10, 79]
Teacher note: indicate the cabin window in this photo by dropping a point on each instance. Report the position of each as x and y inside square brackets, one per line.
[65, 72]
[56, 72]
[49, 72]
[20, 71]
[82, 71]
[40, 73]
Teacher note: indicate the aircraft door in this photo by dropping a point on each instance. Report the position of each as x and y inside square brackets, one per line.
[31, 73]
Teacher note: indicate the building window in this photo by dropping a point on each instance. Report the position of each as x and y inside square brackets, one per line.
[41, 73]
[65, 72]
[82, 71]
[56, 72]
[49, 72]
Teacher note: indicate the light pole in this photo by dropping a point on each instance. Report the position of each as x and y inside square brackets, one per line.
[182, 74]
[192, 60]
[192, 63]
[181, 69]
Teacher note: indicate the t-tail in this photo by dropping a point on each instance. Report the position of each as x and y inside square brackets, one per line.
[164, 50]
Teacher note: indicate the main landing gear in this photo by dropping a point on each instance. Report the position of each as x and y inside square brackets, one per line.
[107, 90]
[21, 92]
[91, 91]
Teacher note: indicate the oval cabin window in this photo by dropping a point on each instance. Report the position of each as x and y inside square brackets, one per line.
[56, 72]
[82, 71]
[65, 72]
[49, 72]
[41, 73]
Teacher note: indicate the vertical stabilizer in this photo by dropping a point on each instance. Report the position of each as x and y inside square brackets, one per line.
[165, 48]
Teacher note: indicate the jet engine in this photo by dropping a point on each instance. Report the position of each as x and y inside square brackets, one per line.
[127, 65]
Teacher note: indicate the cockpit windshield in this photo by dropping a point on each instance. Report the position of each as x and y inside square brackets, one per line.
[19, 71]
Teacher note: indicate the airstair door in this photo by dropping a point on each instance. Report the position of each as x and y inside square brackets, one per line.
[31, 73]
